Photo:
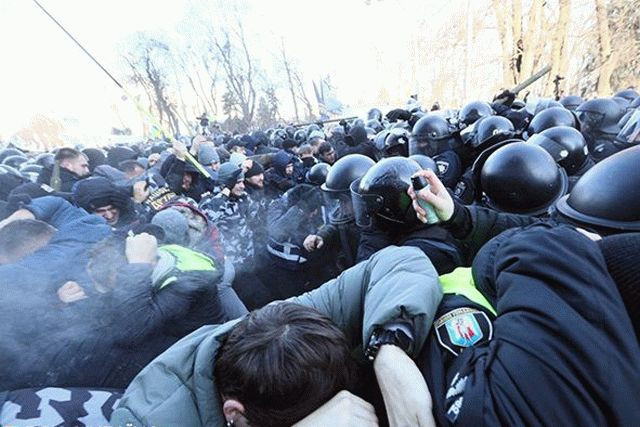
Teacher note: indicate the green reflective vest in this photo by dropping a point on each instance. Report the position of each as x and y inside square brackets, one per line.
[460, 282]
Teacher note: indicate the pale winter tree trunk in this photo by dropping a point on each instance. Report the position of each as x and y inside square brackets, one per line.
[530, 38]
[498, 7]
[559, 58]
[287, 69]
[516, 26]
[607, 58]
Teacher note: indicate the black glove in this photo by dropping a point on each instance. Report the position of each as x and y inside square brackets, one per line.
[506, 97]
[398, 114]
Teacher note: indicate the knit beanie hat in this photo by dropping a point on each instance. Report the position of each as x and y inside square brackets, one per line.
[255, 169]
[174, 225]
[621, 252]
[97, 192]
[237, 159]
[119, 154]
[95, 156]
[229, 174]
[288, 144]
[207, 155]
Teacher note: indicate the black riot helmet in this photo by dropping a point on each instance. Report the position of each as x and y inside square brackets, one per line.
[425, 162]
[535, 105]
[290, 130]
[343, 172]
[396, 143]
[378, 142]
[522, 178]
[317, 175]
[571, 102]
[313, 128]
[430, 136]
[375, 114]
[9, 152]
[46, 160]
[278, 137]
[566, 145]
[380, 196]
[552, 117]
[300, 136]
[491, 130]
[629, 94]
[633, 106]
[31, 171]
[15, 161]
[607, 195]
[622, 102]
[629, 135]
[356, 122]
[600, 115]
[474, 111]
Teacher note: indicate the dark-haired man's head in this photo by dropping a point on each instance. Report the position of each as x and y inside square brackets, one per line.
[326, 153]
[73, 161]
[21, 238]
[131, 168]
[281, 363]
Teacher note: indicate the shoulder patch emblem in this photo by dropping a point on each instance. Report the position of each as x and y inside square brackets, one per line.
[443, 166]
[462, 328]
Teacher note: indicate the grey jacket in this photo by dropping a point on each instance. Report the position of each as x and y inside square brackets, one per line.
[178, 388]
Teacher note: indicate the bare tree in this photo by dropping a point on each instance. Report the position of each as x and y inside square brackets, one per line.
[239, 70]
[607, 57]
[287, 68]
[149, 71]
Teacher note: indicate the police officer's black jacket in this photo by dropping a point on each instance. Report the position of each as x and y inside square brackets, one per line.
[442, 249]
[561, 351]
[341, 237]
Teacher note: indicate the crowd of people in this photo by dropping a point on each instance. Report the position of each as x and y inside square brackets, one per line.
[472, 266]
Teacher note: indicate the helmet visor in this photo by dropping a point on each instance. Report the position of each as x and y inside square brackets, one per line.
[590, 120]
[630, 133]
[365, 206]
[468, 134]
[426, 145]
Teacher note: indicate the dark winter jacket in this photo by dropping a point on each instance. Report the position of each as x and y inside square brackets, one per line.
[67, 178]
[442, 249]
[555, 304]
[341, 236]
[66, 255]
[276, 181]
[105, 340]
[290, 220]
[174, 169]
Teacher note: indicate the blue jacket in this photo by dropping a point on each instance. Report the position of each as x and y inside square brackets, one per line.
[66, 256]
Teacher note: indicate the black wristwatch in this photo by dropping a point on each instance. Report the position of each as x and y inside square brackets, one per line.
[399, 334]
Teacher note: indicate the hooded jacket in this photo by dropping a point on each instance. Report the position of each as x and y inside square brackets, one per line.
[66, 255]
[178, 387]
[276, 181]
